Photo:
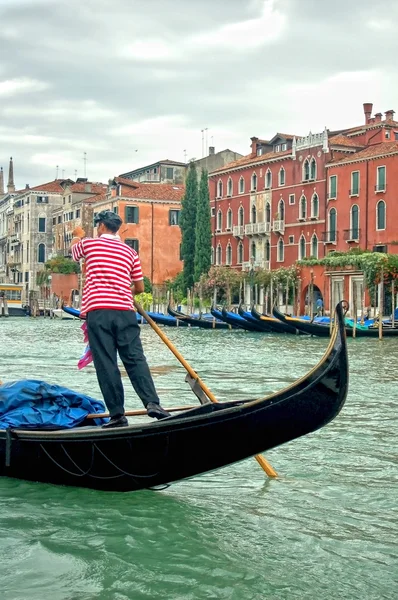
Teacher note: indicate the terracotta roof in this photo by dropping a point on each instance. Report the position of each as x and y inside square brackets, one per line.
[96, 198]
[383, 149]
[52, 186]
[250, 159]
[128, 182]
[95, 188]
[155, 191]
[359, 128]
[342, 140]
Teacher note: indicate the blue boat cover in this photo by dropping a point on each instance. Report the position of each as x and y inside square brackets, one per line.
[32, 404]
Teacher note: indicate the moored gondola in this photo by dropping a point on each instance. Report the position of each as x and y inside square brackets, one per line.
[323, 330]
[238, 321]
[249, 317]
[159, 318]
[199, 440]
[196, 321]
[274, 324]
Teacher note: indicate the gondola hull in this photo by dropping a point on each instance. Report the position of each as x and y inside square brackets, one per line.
[197, 322]
[321, 330]
[200, 440]
[274, 324]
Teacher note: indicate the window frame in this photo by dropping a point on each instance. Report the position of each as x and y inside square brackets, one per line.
[377, 215]
[126, 209]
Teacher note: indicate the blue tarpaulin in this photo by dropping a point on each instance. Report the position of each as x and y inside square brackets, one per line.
[32, 404]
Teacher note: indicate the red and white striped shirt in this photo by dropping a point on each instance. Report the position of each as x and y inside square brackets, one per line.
[110, 266]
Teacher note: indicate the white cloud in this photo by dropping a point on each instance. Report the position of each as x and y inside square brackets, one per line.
[11, 87]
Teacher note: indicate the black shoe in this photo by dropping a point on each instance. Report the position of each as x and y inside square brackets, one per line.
[116, 422]
[155, 411]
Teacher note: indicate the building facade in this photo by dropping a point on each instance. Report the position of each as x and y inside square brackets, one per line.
[150, 214]
[164, 171]
[297, 197]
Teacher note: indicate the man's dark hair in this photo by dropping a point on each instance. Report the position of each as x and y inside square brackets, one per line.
[111, 220]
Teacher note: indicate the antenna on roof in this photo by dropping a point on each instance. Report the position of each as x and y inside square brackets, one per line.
[75, 174]
[56, 172]
[203, 142]
[185, 155]
[85, 163]
[63, 173]
[207, 144]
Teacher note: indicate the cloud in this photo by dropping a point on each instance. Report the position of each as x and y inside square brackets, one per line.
[130, 83]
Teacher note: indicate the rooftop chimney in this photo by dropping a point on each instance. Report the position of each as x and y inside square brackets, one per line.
[27, 187]
[212, 150]
[254, 141]
[1, 181]
[367, 109]
[378, 117]
[389, 115]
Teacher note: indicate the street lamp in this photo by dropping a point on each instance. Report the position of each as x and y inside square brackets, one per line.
[251, 275]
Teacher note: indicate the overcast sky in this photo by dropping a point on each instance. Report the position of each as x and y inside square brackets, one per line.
[131, 81]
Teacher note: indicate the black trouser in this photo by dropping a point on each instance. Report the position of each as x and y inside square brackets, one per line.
[109, 332]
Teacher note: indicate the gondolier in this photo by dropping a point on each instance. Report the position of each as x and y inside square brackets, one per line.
[111, 267]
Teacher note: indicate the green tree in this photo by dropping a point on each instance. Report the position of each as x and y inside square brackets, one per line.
[203, 229]
[188, 223]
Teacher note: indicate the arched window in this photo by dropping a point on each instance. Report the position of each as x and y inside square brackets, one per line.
[354, 217]
[315, 206]
[314, 246]
[241, 216]
[254, 182]
[281, 210]
[268, 180]
[267, 250]
[212, 255]
[229, 187]
[381, 215]
[241, 186]
[303, 208]
[332, 225]
[229, 255]
[313, 169]
[219, 255]
[41, 253]
[240, 253]
[253, 250]
[306, 170]
[302, 248]
[268, 213]
[219, 220]
[280, 251]
[219, 189]
[282, 176]
[254, 214]
[229, 219]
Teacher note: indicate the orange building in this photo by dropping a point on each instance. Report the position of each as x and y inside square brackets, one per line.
[151, 214]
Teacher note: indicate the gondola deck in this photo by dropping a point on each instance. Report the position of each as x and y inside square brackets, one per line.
[196, 441]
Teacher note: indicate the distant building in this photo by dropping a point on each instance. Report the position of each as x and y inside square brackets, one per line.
[6, 214]
[164, 171]
[216, 160]
[150, 214]
[76, 210]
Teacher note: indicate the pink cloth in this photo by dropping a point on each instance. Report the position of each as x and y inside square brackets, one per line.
[87, 356]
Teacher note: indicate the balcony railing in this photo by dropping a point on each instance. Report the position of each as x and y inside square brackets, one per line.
[249, 228]
[278, 226]
[352, 235]
[263, 227]
[238, 231]
[330, 237]
[380, 187]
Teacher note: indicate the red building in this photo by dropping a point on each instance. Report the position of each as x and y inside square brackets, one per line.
[295, 197]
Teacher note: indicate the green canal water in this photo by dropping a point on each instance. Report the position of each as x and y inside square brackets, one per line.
[326, 529]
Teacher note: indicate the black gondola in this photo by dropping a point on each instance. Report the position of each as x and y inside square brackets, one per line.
[238, 321]
[323, 330]
[199, 440]
[249, 317]
[274, 324]
[196, 321]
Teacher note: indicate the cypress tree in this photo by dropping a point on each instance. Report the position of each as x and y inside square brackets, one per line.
[187, 224]
[203, 229]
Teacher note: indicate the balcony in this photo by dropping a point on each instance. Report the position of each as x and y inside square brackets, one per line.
[263, 228]
[249, 228]
[380, 187]
[14, 239]
[352, 235]
[257, 264]
[354, 192]
[238, 231]
[330, 237]
[278, 226]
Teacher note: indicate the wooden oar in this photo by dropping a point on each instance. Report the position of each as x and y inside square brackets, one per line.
[264, 464]
[138, 413]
